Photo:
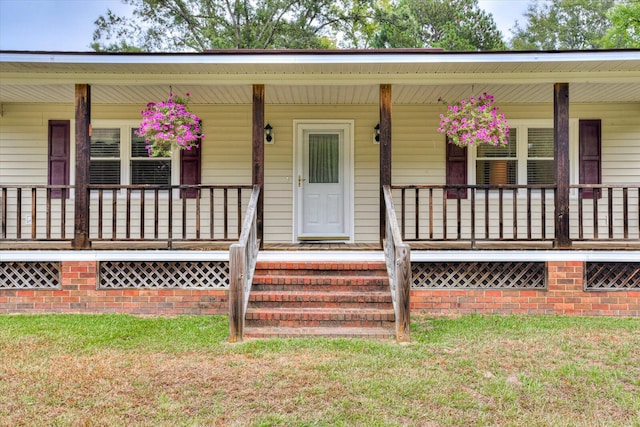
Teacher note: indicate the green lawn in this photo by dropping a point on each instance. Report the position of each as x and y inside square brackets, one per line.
[473, 370]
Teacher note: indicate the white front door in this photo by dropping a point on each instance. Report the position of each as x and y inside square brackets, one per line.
[324, 202]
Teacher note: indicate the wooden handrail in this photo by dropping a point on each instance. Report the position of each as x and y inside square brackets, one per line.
[243, 256]
[398, 260]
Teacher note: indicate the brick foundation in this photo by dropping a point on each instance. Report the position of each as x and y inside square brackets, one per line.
[79, 294]
[565, 295]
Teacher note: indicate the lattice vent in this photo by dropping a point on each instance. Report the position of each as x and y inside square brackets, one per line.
[165, 274]
[29, 275]
[612, 275]
[478, 275]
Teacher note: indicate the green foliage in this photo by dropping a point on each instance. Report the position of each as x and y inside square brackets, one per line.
[563, 25]
[197, 25]
[451, 25]
[625, 26]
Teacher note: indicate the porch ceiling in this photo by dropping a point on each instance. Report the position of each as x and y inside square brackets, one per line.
[303, 77]
[320, 94]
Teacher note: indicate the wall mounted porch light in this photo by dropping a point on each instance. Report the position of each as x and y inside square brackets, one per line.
[376, 134]
[268, 134]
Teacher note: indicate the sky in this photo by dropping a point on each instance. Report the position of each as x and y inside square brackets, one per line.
[67, 25]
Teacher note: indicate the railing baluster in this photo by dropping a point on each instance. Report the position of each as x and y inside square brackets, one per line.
[580, 214]
[610, 209]
[430, 214]
[63, 215]
[156, 211]
[225, 219]
[34, 195]
[4, 212]
[417, 213]
[515, 213]
[183, 194]
[444, 213]
[198, 213]
[625, 212]
[142, 209]
[128, 215]
[543, 213]
[403, 210]
[529, 213]
[170, 216]
[100, 212]
[486, 213]
[473, 218]
[48, 223]
[211, 213]
[114, 213]
[239, 211]
[459, 213]
[596, 194]
[500, 213]
[19, 212]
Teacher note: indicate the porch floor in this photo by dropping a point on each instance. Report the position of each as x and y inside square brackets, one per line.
[416, 246]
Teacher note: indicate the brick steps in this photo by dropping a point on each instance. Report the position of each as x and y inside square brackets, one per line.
[325, 299]
[325, 332]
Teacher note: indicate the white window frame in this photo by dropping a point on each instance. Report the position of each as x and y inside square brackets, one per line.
[126, 127]
[522, 127]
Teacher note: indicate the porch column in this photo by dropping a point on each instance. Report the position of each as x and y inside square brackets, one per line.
[385, 148]
[257, 162]
[561, 155]
[83, 156]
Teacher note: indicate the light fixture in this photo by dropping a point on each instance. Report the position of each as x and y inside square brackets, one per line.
[268, 134]
[376, 134]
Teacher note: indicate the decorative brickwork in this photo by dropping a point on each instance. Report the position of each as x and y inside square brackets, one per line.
[29, 275]
[79, 293]
[565, 294]
[478, 275]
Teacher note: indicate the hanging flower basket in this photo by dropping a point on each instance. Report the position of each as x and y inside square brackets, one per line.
[476, 121]
[169, 125]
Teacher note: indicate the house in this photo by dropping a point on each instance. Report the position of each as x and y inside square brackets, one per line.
[317, 161]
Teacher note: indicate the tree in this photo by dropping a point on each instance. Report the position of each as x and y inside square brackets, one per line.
[625, 26]
[197, 25]
[563, 24]
[447, 24]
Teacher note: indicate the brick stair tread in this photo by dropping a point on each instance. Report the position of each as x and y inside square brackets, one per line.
[320, 296]
[279, 278]
[320, 331]
[319, 310]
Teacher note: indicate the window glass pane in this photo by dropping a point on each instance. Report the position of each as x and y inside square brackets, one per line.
[138, 146]
[105, 143]
[151, 172]
[104, 172]
[540, 142]
[496, 171]
[540, 172]
[487, 150]
[324, 158]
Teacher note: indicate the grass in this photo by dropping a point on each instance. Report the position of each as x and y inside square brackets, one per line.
[118, 370]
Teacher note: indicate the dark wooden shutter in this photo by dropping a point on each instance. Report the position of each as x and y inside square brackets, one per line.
[456, 170]
[190, 170]
[590, 155]
[58, 155]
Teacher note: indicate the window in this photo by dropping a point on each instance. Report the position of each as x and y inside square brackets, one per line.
[118, 156]
[526, 159]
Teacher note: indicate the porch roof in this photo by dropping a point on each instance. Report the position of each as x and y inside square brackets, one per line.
[419, 76]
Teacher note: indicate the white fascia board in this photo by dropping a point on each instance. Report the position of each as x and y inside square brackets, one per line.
[524, 255]
[27, 256]
[324, 58]
[311, 256]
